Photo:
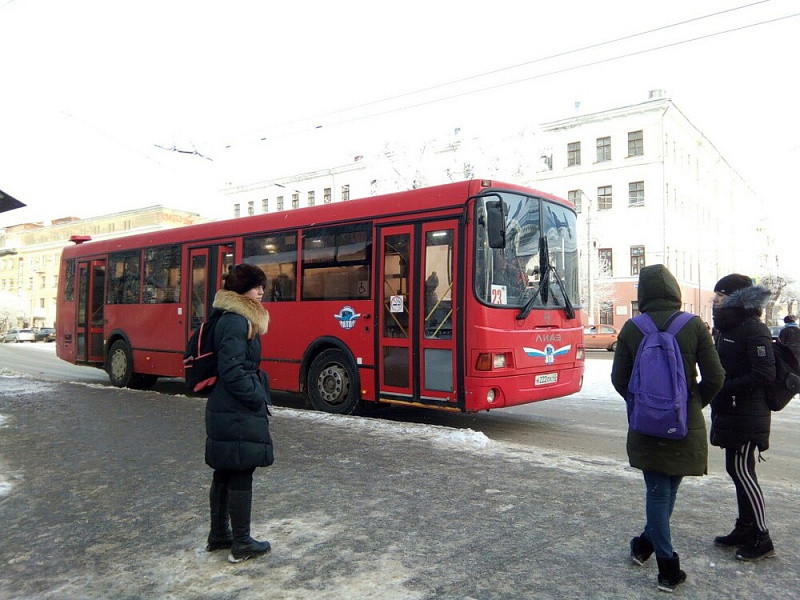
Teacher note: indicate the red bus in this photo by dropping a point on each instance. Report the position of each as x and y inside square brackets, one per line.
[455, 297]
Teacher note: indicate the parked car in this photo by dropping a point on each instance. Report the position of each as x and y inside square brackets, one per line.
[19, 335]
[600, 337]
[46, 334]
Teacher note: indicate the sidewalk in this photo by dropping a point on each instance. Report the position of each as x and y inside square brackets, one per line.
[354, 508]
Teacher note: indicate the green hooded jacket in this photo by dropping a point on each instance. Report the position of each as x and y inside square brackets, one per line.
[659, 297]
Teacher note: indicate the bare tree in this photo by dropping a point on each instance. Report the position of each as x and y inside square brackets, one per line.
[13, 310]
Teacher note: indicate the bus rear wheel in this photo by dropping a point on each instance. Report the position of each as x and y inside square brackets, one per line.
[119, 364]
[333, 383]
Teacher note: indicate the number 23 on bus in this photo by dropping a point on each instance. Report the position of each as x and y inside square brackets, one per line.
[455, 297]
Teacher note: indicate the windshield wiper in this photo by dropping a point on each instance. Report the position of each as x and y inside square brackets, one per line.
[544, 276]
[544, 284]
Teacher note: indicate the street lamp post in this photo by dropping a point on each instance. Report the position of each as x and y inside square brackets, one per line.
[589, 307]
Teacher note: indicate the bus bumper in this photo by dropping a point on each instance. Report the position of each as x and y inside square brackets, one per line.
[514, 390]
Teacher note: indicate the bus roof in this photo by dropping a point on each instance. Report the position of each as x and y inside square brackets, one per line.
[448, 197]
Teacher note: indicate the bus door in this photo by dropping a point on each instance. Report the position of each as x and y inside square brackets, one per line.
[437, 340]
[208, 265]
[90, 318]
[416, 335]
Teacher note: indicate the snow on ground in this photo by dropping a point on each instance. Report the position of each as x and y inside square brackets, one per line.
[597, 389]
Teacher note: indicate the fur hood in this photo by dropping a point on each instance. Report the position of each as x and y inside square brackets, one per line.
[743, 304]
[753, 298]
[252, 310]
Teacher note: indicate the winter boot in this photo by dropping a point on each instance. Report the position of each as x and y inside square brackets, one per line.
[641, 550]
[220, 536]
[742, 534]
[243, 546]
[758, 548]
[670, 575]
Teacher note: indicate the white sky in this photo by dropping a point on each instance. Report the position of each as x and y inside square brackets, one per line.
[90, 88]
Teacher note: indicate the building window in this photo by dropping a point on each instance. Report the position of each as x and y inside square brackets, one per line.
[250, 208]
[326, 196]
[606, 267]
[635, 143]
[636, 193]
[236, 211]
[311, 200]
[604, 197]
[346, 192]
[295, 200]
[574, 196]
[603, 149]
[279, 203]
[637, 259]
[606, 316]
[634, 308]
[265, 205]
[573, 154]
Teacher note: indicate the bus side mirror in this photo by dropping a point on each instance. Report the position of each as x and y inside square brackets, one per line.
[495, 224]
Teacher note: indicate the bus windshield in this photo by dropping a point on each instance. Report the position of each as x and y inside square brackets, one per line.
[512, 276]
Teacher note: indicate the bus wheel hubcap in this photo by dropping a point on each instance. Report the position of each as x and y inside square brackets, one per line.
[118, 364]
[333, 384]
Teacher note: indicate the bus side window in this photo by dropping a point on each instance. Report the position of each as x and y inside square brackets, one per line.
[277, 257]
[162, 274]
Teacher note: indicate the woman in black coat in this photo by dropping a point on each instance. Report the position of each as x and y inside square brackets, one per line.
[237, 417]
[740, 415]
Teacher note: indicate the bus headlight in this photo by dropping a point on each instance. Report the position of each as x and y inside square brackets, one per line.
[490, 396]
[579, 353]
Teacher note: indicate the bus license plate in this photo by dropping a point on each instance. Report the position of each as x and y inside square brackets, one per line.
[546, 378]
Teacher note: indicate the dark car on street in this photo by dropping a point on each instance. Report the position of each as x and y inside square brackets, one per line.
[46, 334]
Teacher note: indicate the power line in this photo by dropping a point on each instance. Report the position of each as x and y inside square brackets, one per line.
[565, 69]
[537, 60]
[322, 116]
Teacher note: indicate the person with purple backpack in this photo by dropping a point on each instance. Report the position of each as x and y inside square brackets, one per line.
[664, 461]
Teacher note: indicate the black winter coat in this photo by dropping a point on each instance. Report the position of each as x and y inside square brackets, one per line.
[237, 417]
[739, 412]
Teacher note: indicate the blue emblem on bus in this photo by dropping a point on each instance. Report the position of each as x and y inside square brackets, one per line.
[549, 353]
[347, 317]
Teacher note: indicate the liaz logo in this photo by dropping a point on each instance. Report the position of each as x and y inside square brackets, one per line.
[549, 353]
[347, 317]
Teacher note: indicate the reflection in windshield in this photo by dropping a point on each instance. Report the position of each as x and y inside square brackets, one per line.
[511, 276]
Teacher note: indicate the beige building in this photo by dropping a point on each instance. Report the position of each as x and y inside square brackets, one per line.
[30, 254]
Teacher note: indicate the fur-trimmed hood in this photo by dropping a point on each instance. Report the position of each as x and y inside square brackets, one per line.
[252, 310]
[742, 304]
[750, 298]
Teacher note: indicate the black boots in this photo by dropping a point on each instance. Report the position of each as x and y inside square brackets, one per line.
[742, 534]
[220, 536]
[760, 546]
[641, 550]
[243, 546]
[670, 575]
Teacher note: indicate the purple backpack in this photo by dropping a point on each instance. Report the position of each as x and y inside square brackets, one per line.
[658, 395]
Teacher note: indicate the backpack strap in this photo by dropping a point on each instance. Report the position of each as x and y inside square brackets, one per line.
[676, 322]
[644, 323]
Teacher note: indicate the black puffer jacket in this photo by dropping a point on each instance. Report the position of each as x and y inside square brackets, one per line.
[739, 412]
[237, 417]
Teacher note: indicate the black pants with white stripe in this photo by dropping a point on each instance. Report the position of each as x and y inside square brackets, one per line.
[741, 466]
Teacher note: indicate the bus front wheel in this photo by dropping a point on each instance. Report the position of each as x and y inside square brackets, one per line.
[333, 383]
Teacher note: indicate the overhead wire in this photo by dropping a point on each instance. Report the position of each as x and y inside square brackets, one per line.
[627, 54]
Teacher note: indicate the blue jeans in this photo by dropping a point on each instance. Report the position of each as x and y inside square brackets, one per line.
[661, 492]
